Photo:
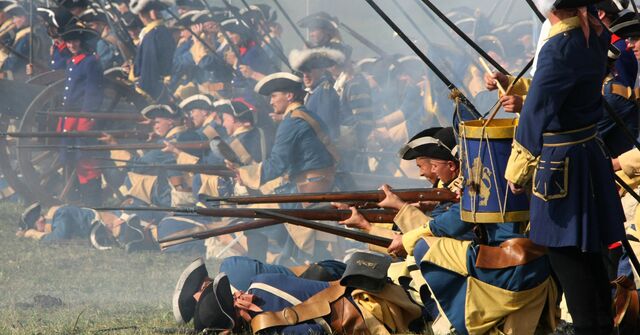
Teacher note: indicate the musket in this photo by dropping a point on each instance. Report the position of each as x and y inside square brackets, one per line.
[464, 36]
[254, 34]
[293, 24]
[408, 195]
[97, 115]
[212, 230]
[215, 170]
[322, 214]
[23, 57]
[78, 134]
[126, 146]
[463, 99]
[119, 30]
[330, 229]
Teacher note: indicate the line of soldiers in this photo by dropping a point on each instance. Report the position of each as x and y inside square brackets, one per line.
[438, 271]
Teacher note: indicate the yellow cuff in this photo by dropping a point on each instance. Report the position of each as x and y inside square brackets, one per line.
[34, 234]
[632, 182]
[250, 175]
[198, 51]
[185, 158]
[120, 155]
[521, 165]
[630, 162]
[410, 239]
[520, 88]
[410, 218]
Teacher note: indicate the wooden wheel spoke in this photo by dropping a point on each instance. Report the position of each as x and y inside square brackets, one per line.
[41, 157]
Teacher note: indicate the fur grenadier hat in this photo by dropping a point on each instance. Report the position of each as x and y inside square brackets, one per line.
[316, 58]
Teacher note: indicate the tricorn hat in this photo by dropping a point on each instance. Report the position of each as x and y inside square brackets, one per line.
[100, 237]
[165, 111]
[189, 282]
[235, 26]
[78, 31]
[259, 11]
[367, 271]
[545, 6]
[316, 58]
[30, 216]
[207, 16]
[319, 20]
[14, 9]
[279, 82]
[73, 3]
[626, 25]
[417, 145]
[445, 148]
[215, 308]
[92, 15]
[138, 6]
[239, 108]
[200, 101]
[190, 4]
[131, 21]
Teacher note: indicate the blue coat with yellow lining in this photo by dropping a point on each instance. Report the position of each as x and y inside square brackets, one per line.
[618, 91]
[14, 64]
[574, 202]
[153, 59]
[325, 102]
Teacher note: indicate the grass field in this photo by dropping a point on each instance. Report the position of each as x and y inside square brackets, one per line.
[74, 289]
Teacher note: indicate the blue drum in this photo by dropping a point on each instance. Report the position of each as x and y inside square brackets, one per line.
[484, 152]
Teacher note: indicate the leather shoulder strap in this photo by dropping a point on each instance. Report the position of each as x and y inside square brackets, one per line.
[240, 150]
[299, 113]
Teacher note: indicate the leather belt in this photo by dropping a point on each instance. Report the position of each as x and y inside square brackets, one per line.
[621, 90]
[513, 252]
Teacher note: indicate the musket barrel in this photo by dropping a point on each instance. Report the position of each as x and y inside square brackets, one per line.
[78, 134]
[142, 146]
[224, 230]
[409, 195]
[98, 115]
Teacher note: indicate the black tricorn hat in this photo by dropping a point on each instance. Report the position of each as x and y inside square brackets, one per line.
[320, 20]
[215, 308]
[445, 148]
[165, 111]
[30, 216]
[73, 3]
[561, 4]
[15, 9]
[238, 107]
[189, 282]
[235, 26]
[279, 82]
[131, 21]
[367, 271]
[626, 25]
[191, 4]
[78, 31]
[417, 145]
[92, 15]
[200, 101]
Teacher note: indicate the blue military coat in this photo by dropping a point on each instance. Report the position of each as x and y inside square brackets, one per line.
[325, 102]
[574, 202]
[16, 64]
[624, 75]
[153, 59]
[70, 222]
[296, 149]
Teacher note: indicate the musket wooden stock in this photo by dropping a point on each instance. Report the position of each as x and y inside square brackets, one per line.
[79, 134]
[330, 229]
[215, 170]
[322, 214]
[97, 115]
[408, 195]
[141, 146]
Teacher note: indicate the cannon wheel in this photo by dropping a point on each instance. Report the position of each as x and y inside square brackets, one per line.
[47, 178]
[47, 78]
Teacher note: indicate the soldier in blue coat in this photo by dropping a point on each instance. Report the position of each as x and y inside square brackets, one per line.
[83, 92]
[155, 51]
[14, 67]
[321, 98]
[575, 209]
[618, 88]
[108, 47]
[302, 150]
[67, 222]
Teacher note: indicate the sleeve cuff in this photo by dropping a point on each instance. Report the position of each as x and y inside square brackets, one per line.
[410, 239]
[250, 175]
[630, 162]
[521, 165]
[410, 218]
[120, 155]
[186, 159]
[34, 234]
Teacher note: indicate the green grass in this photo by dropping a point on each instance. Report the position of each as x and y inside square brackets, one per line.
[102, 292]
